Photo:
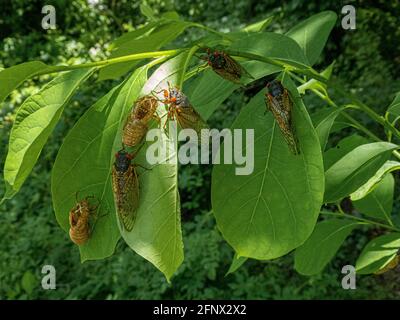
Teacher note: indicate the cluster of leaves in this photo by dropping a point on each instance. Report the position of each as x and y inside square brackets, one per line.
[275, 210]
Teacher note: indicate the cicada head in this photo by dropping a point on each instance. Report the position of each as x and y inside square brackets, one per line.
[122, 161]
[275, 88]
[178, 97]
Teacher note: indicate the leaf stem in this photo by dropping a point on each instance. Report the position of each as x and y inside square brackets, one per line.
[367, 221]
[190, 54]
[102, 63]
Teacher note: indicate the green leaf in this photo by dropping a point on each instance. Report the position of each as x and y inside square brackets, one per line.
[272, 45]
[315, 84]
[237, 262]
[312, 33]
[34, 122]
[157, 234]
[355, 168]
[378, 253]
[324, 126]
[11, 78]
[270, 212]
[147, 11]
[378, 203]
[259, 26]
[342, 148]
[161, 35]
[84, 163]
[320, 248]
[365, 189]
[394, 107]
[28, 282]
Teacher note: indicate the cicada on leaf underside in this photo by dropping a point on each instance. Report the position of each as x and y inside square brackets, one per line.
[225, 66]
[79, 217]
[180, 108]
[278, 101]
[125, 184]
[135, 127]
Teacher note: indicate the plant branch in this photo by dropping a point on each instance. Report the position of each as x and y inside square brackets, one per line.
[102, 63]
[367, 221]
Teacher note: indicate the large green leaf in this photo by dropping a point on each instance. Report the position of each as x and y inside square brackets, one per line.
[271, 45]
[157, 234]
[320, 248]
[312, 33]
[355, 168]
[11, 78]
[378, 253]
[84, 163]
[270, 212]
[366, 188]
[324, 126]
[161, 36]
[34, 122]
[394, 107]
[342, 148]
[379, 202]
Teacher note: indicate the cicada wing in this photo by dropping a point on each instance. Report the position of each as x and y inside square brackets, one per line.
[188, 117]
[126, 196]
[281, 110]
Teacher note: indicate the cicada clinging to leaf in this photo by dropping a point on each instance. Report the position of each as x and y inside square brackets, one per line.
[224, 65]
[135, 127]
[180, 108]
[125, 184]
[278, 101]
[79, 216]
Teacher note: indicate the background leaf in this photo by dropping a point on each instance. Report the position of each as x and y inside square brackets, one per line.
[160, 36]
[379, 202]
[34, 122]
[320, 248]
[11, 78]
[324, 126]
[378, 253]
[312, 33]
[355, 168]
[365, 189]
[266, 214]
[394, 107]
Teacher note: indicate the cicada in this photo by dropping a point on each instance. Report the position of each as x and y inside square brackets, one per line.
[225, 66]
[278, 101]
[135, 127]
[180, 108]
[125, 186]
[79, 216]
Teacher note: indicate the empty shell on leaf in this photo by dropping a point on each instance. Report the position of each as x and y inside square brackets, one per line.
[135, 127]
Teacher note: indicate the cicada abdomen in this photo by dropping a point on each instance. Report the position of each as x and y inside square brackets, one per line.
[135, 127]
[180, 108]
[225, 66]
[125, 185]
[79, 216]
[279, 103]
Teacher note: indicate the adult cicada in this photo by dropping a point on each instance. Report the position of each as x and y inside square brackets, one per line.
[224, 65]
[125, 186]
[79, 217]
[280, 104]
[180, 108]
[135, 127]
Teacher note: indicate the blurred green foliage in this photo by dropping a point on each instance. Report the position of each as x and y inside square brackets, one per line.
[367, 60]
